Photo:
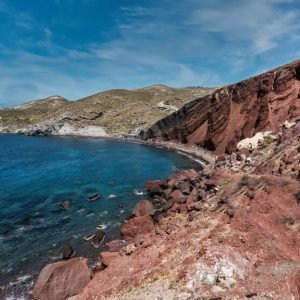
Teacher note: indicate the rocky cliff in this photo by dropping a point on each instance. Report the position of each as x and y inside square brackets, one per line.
[230, 231]
[219, 120]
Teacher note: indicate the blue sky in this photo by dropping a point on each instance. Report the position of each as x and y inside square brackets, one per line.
[75, 48]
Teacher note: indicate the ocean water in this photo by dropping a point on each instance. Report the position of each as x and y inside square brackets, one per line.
[38, 173]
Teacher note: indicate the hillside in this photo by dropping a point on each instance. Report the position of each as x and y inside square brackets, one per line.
[219, 120]
[228, 232]
[117, 111]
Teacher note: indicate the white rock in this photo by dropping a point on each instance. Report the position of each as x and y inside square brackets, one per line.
[252, 143]
[89, 130]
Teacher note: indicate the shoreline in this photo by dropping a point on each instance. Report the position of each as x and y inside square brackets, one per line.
[33, 276]
[200, 155]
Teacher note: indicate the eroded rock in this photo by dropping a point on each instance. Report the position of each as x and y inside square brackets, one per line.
[63, 279]
[143, 207]
[136, 226]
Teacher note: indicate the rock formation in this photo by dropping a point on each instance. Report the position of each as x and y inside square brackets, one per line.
[230, 231]
[235, 234]
[219, 120]
[62, 279]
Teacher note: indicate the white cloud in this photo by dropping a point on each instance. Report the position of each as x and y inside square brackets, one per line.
[189, 42]
[258, 23]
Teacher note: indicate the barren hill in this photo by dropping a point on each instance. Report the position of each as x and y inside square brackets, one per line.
[117, 111]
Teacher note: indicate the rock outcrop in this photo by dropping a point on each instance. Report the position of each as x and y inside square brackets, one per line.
[143, 207]
[136, 226]
[219, 120]
[60, 128]
[237, 240]
[62, 279]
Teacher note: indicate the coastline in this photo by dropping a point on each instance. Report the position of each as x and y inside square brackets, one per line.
[204, 216]
[200, 155]
[38, 141]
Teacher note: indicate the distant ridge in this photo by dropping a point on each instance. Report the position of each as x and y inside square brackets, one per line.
[117, 111]
[53, 101]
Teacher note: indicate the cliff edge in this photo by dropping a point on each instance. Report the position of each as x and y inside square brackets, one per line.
[219, 120]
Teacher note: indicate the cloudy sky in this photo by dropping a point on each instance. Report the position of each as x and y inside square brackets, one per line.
[75, 48]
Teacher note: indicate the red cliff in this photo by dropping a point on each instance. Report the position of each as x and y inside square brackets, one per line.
[219, 120]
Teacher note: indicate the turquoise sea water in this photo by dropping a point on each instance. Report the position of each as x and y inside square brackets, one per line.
[37, 173]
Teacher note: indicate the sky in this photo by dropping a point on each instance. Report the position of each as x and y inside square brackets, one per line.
[75, 48]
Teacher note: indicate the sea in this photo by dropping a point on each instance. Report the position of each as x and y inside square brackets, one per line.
[39, 173]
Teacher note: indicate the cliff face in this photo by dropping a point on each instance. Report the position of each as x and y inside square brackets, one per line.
[218, 121]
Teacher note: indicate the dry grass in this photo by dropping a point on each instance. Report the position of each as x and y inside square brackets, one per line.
[122, 110]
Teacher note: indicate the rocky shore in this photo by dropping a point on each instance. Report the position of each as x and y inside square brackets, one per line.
[230, 231]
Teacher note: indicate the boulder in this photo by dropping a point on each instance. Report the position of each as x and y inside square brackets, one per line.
[143, 207]
[195, 206]
[136, 226]
[190, 174]
[208, 170]
[180, 208]
[191, 199]
[108, 257]
[98, 238]
[129, 249]
[94, 197]
[167, 193]
[184, 187]
[202, 194]
[116, 245]
[154, 186]
[178, 197]
[62, 279]
[65, 204]
[167, 205]
[67, 252]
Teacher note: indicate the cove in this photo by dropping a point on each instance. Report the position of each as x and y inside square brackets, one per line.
[38, 173]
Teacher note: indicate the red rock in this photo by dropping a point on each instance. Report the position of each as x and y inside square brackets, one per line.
[116, 245]
[184, 187]
[190, 174]
[180, 208]
[108, 257]
[178, 197]
[143, 207]
[221, 158]
[219, 120]
[208, 170]
[191, 198]
[144, 241]
[154, 186]
[195, 206]
[129, 249]
[202, 194]
[137, 225]
[294, 285]
[296, 130]
[62, 279]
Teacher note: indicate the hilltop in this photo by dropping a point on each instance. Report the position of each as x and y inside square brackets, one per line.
[115, 111]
